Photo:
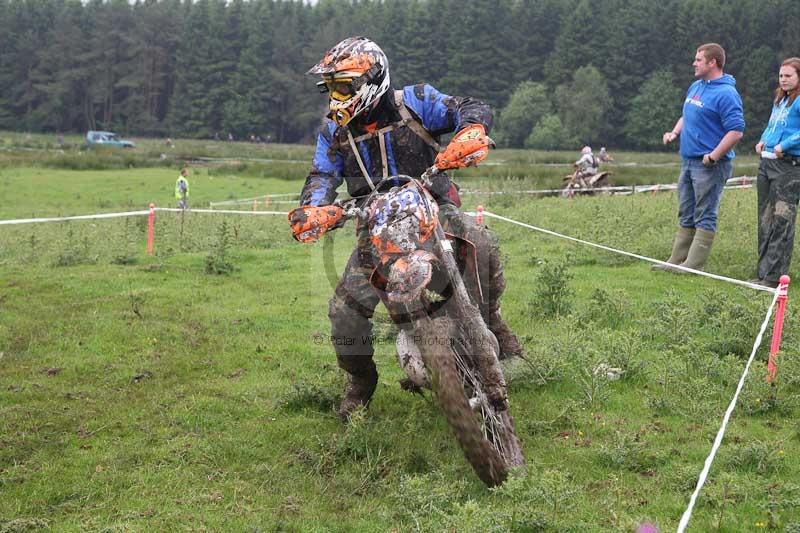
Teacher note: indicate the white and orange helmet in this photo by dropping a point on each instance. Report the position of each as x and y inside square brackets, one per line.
[356, 74]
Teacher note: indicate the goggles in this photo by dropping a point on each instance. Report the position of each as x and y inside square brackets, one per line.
[341, 89]
[345, 87]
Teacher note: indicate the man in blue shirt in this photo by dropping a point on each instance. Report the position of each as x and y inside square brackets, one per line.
[710, 126]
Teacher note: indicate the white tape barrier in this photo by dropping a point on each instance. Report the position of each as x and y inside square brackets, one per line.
[618, 188]
[721, 433]
[740, 182]
[629, 254]
[670, 188]
[221, 211]
[77, 217]
[135, 213]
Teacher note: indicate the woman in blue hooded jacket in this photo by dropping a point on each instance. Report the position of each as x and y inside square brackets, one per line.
[779, 177]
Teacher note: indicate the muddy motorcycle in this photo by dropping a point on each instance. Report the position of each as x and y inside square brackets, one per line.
[443, 343]
[576, 183]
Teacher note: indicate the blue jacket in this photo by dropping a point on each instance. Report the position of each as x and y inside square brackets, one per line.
[334, 161]
[783, 128]
[711, 109]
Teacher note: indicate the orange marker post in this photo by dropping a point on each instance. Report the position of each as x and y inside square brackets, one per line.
[255, 205]
[777, 329]
[479, 216]
[151, 228]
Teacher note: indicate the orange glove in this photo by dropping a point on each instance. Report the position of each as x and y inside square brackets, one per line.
[469, 147]
[309, 222]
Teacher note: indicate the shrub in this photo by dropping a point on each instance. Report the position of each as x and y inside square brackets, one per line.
[217, 261]
[553, 296]
[607, 308]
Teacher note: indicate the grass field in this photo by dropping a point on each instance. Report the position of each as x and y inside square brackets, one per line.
[143, 393]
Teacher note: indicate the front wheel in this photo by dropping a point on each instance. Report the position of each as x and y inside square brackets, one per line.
[485, 433]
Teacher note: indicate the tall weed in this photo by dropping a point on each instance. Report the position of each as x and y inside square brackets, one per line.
[217, 262]
[553, 296]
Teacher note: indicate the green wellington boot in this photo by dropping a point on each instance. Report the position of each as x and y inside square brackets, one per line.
[699, 251]
[680, 248]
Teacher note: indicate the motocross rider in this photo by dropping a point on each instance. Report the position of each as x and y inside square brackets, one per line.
[372, 132]
[587, 166]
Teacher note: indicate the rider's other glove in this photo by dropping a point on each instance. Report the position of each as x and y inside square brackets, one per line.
[310, 222]
[469, 147]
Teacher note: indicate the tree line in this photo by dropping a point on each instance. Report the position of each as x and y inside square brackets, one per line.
[557, 72]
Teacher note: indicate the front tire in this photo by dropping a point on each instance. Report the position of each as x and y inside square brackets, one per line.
[485, 434]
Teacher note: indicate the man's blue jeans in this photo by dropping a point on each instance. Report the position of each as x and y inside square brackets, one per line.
[700, 191]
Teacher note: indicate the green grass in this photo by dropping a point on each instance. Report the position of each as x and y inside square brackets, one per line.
[139, 392]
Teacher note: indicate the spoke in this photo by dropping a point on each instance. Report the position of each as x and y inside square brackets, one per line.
[491, 425]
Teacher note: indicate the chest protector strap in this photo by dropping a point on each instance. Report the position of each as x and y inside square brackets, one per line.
[407, 120]
[412, 124]
[359, 160]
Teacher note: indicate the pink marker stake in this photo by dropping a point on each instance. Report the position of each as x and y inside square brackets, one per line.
[777, 331]
[151, 227]
[479, 217]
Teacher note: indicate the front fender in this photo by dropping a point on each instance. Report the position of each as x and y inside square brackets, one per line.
[409, 275]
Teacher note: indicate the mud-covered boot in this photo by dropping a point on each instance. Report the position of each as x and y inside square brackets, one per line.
[358, 392]
[509, 344]
[680, 248]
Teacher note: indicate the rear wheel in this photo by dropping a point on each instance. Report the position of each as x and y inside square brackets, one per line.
[486, 434]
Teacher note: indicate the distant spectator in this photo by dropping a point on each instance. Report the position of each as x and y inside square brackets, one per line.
[168, 142]
[216, 135]
[60, 140]
[182, 189]
[604, 156]
[711, 124]
[779, 178]
[230, 136]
